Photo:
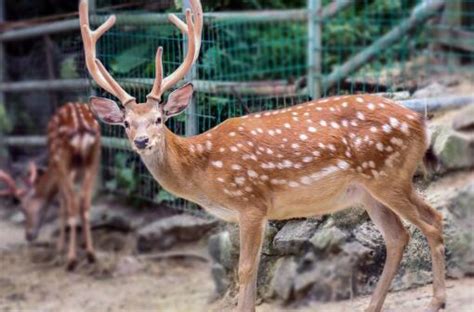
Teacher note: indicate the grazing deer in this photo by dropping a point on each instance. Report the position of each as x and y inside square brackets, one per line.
[74, 153]
[310, 159]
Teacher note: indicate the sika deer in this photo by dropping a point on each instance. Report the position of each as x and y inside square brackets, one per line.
[74, 153]
[314, 158]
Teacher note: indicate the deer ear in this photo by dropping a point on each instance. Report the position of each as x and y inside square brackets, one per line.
[179, 100]
[106, 110]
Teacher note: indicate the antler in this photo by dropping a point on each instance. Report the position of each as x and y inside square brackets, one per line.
[11, 185]
[193, 29]
[95, 67]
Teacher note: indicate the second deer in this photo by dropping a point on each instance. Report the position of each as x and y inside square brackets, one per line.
[74, 154]
[311, 159]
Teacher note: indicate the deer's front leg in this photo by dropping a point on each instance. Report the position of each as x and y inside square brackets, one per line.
[251, 238]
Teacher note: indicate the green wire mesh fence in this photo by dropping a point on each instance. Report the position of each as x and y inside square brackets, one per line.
[254, 62]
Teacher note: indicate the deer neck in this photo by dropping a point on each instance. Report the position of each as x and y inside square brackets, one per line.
[174, 167]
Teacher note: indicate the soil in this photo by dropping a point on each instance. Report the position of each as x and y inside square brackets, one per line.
[33, 278]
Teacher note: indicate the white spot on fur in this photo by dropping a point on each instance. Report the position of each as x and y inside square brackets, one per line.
[345, 123]
[360, 100]
[379, 146]
[342, 164]
[394, 122]
[386, 128]
[232, 134]
[308, 159]
[295, 145]
[293, 184]
[312, 129]
[236, 167]
[287, 125]
[371, 106]
[239, 180]
[217, 164]
[373, 129]
[323, 123]
[335, 125]
[360, 115]
[234, 149]
[303, 137]
[404, 128]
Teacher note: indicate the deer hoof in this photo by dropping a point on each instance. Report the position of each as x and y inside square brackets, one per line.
[71, 265]
[435, 306]
[91, 258]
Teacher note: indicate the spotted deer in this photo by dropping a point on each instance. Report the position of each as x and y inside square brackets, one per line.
[311, 159]
[74, 153]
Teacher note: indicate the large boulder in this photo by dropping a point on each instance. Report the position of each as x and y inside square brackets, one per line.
[452, 139]
[295, 236]
[164, 233]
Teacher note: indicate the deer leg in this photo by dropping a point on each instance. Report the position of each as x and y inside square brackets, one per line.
[86, 198]
[407, 204]
[396, 238]
[67, 191]
[431, 224]
[251, 238]
[62, 225]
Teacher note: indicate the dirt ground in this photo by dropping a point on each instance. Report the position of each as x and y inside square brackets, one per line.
[32, 279]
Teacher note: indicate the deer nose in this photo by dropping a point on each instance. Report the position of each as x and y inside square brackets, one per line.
[141, 142]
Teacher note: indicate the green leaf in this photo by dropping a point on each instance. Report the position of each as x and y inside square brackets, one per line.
[130, 59]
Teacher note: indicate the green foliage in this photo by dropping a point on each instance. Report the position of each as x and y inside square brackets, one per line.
[164, 196]
[5, 123]
[68, 68]
[125, 178]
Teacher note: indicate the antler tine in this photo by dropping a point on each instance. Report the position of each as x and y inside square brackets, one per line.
[10, 183]
[193, 29]
[198, 23]
[158, 75]
[181, 71]
[90, 39]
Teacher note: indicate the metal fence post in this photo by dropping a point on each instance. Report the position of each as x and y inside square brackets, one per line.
[314, 48]
[191, 112]
[3, 60]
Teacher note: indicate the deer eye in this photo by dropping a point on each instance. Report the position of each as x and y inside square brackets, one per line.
[158, 120]
[126, 124]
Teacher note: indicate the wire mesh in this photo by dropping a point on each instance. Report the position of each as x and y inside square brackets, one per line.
[246, 66]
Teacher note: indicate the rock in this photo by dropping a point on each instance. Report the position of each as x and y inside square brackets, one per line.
[328, 238]
[455, 150]
[128, 266]
[295, 236]
[349, 218]
[17, 218]
[220, 278]
[115, 217]
[162, 234]
[222, 250]
[368, 235]
[270, 232]
[464, 119]
[281, 284]
[433, 90]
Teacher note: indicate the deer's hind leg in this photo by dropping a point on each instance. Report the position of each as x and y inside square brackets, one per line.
[86, 198]
[396, 238]
[408, 205]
